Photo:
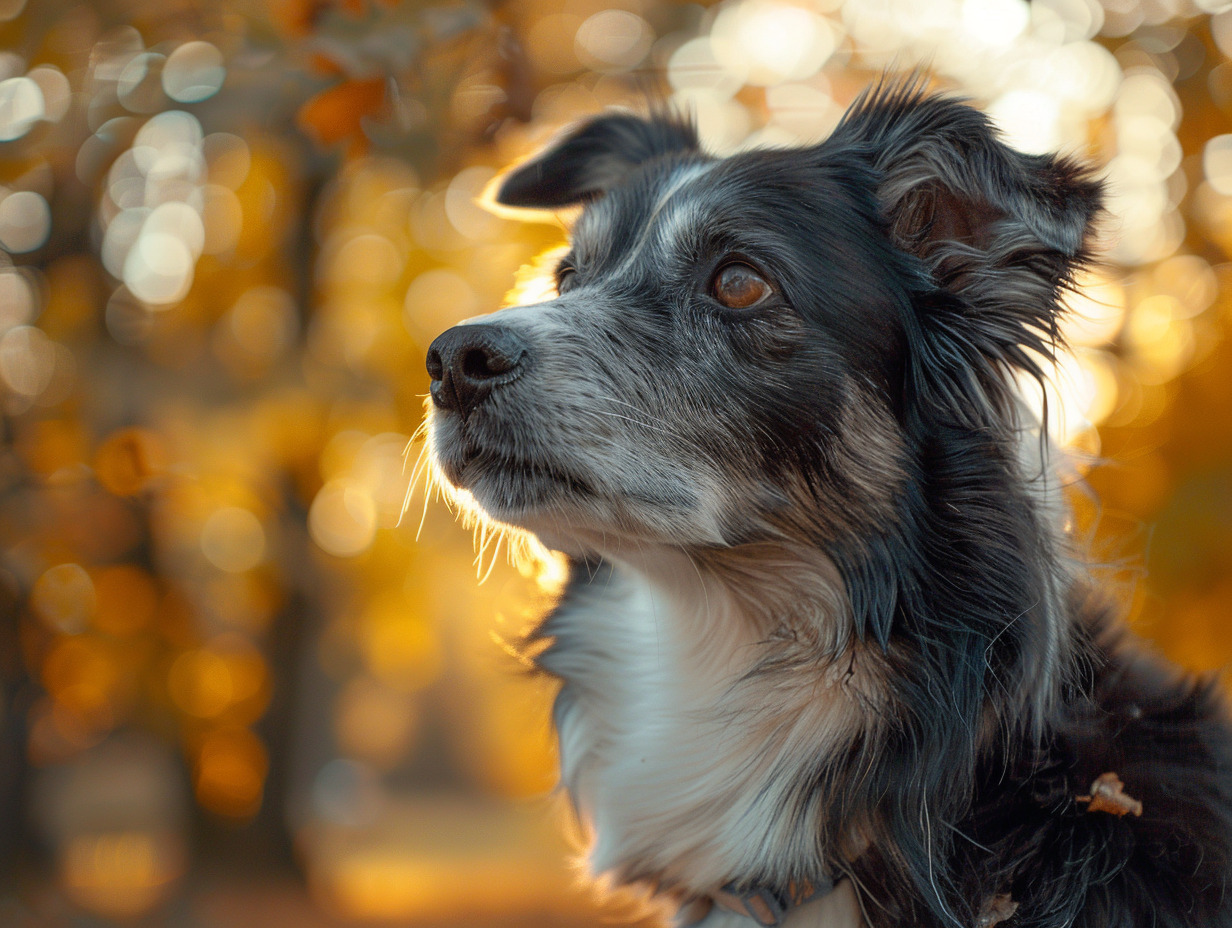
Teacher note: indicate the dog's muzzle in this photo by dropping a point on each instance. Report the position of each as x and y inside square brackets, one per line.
[466, 363]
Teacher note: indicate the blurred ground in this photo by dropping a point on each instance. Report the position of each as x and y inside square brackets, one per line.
[447, 859]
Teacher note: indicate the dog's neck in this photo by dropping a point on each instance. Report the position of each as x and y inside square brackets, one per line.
[703, 700]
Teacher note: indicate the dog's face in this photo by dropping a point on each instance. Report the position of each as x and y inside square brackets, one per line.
[701, 361]
[733, 354]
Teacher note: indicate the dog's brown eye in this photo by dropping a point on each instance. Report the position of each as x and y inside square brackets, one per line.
[738, 286]
[564, 277]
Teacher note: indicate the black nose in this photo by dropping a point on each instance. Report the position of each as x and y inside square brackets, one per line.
[467, 362]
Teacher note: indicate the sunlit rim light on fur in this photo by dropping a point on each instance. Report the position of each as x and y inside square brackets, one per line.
[524, 551]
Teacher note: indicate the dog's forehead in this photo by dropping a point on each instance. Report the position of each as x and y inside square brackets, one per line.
[675, 203]
[628, 212]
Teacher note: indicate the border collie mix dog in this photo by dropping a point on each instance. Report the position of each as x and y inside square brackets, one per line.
[826, 656]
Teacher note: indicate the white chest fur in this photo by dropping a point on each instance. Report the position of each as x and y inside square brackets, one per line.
[690, 740]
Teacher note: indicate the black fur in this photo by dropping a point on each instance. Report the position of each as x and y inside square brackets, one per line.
[920, 262]
[1023, 832]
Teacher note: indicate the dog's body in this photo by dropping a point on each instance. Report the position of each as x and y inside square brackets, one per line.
[826, 657]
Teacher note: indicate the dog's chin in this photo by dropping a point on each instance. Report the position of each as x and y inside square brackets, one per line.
[567, 510]
[531, 495]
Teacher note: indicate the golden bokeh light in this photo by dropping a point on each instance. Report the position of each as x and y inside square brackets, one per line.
[613, 40]
[82, 674]
[21, 105]
[25, 221]
[229, 772]
[27, 360]
[126, 600]
[768, 42]
[139, 84]
[407, 864]
[121, 874]
[129, 459]
[1097, 310]
[193, 72]
[399, 649]
[64, 597]
[343, 518]
[435, 300]
[233, 540]
[375, 723]
[207, 682]
[58, 734]
[54, 447]
[10, 9]
[17, 298]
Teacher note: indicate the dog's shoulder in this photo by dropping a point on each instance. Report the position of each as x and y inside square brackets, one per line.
[1126, 816]
[1167, 737]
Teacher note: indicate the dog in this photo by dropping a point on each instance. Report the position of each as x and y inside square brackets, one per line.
[827, 656]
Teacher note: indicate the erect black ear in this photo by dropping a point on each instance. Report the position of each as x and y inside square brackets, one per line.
[594, 157]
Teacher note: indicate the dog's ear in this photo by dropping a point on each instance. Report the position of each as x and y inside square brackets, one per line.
[1000, 233]
[947, 179]
[595, 157]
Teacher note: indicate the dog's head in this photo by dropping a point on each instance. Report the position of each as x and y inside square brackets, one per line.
[746, 348]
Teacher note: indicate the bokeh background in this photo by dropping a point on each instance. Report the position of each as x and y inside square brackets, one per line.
[239, 688]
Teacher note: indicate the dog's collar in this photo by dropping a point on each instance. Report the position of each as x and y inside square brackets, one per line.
[766, 906]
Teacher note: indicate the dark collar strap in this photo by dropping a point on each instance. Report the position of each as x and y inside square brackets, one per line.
[766, 906]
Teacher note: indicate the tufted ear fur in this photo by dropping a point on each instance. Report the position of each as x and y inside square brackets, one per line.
[999, 233]
[595, 157]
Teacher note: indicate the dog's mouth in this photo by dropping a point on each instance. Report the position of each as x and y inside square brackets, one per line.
[529, 473]
[504, 484]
